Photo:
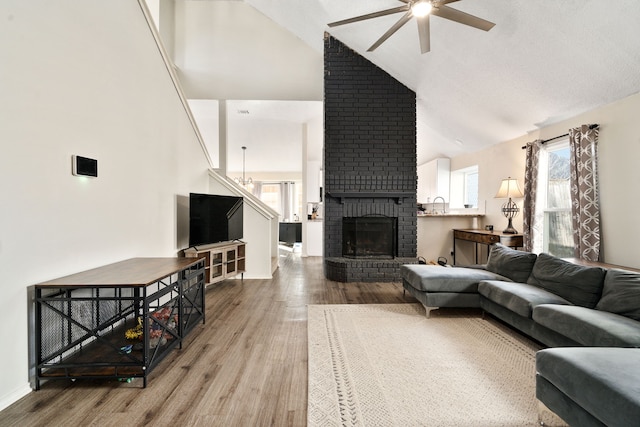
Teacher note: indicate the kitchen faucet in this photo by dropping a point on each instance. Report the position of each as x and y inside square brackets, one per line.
[433, 205]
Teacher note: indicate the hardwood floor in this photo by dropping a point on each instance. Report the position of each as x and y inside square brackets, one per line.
[246, 366]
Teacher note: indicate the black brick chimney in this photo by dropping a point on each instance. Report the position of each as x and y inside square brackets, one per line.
[369, 160]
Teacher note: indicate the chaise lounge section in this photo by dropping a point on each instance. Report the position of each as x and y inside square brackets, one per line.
[438, 286]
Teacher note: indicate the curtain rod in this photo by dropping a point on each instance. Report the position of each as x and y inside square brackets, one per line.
[560, 136]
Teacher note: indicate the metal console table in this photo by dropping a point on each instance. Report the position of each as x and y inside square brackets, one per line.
[80, 320]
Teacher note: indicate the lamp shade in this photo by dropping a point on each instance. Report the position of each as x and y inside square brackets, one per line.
[509, 189]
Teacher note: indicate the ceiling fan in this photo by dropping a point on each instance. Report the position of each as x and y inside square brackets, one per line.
[421, 9]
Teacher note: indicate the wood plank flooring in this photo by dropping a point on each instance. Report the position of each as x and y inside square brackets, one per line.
[246, 366]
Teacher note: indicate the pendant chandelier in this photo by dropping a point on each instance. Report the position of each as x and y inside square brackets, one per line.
[247, 184]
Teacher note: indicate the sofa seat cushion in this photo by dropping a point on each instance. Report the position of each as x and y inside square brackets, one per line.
[436, 278]
[579, 284]
[511, 263]
[591, 328]
[517, 297]
[621, 293]
[605, 382]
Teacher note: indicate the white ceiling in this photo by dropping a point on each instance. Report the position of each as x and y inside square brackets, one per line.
[272, 131]
[544, 61]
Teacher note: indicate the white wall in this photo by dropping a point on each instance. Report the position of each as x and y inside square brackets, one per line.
[495, 164]
[260, 230]
[84, 78]
[312, 231]
[269, 143]
[206, 113]
[272, 64]
[619, 149]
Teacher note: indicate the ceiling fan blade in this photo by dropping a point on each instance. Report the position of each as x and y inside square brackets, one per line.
[371, 15]
[462, 17]
[433, 2]
[423, 33]
[395, 27]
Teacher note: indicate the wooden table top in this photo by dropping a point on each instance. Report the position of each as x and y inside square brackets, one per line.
[485, 232]
[134, 272]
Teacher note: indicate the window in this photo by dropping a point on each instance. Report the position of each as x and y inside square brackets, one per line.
[464, 187]
[554, 178]
[471, 188]
[282, 197]
[270, 195]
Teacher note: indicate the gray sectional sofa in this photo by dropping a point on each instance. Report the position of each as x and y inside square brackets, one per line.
[559, 304]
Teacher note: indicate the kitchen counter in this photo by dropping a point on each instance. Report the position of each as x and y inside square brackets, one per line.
[434, 233]
[290, 232]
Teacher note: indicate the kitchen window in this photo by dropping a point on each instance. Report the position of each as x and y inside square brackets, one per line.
[464, 187]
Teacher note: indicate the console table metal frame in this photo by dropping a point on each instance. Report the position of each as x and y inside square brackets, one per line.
[485, 238]
[80, 320]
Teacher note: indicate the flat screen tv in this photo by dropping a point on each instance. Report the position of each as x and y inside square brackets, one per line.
[214, 218]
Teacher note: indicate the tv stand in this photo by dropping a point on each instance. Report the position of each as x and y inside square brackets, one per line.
[222, 260]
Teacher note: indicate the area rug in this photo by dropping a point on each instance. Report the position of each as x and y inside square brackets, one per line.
[388, 365]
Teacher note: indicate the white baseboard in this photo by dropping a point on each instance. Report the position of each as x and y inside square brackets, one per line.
[13, 396]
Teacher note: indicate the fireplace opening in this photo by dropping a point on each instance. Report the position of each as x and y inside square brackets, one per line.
[369, 237]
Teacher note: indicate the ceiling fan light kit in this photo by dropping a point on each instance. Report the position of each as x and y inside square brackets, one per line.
[421, 10]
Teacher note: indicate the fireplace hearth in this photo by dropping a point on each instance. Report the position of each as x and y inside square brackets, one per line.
[369, 237]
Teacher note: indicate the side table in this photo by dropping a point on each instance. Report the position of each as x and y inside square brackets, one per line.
[484, 237]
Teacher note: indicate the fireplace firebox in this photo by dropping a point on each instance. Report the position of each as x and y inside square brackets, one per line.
[370, 237]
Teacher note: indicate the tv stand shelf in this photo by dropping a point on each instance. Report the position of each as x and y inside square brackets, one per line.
[222, 260]
[81, 319]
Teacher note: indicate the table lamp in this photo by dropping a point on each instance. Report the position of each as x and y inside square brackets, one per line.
[509, 189]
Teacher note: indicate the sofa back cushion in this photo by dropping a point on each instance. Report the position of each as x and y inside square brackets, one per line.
[579, 284]
[511, 263]
[621, 293]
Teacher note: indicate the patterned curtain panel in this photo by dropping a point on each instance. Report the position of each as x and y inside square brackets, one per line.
[585, 203]
[532, 220]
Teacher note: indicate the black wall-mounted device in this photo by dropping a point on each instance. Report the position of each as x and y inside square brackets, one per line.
[84, 166]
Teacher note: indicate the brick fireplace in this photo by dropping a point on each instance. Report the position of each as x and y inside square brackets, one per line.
[369, 166]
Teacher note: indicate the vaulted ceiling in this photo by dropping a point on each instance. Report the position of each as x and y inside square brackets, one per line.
[544, 61]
